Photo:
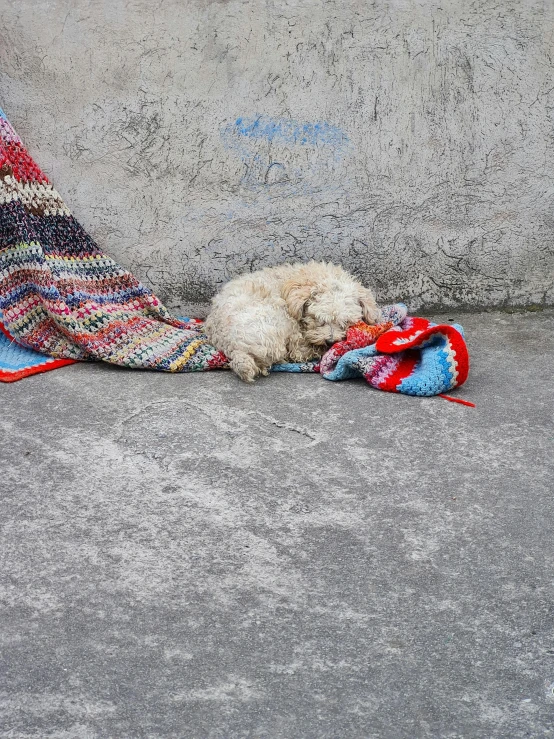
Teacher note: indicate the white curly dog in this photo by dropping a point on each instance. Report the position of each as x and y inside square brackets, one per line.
[289, 313]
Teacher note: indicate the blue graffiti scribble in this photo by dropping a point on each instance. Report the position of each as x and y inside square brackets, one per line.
[282, 154]
[286, 131]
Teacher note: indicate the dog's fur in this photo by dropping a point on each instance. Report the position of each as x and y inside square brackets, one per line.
[289, 313]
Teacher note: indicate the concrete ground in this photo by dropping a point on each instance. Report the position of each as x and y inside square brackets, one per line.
[187, 556]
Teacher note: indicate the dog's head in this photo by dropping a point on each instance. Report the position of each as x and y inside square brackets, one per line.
[326, 301]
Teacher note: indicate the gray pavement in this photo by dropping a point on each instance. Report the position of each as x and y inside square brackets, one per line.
[187, 556]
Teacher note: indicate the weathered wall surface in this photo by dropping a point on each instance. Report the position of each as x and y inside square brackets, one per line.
[412, 142]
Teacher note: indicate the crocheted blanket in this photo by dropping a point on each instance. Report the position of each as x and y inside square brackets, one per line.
[415, 357]
[62, 296]
[62, 299]
[402, 354]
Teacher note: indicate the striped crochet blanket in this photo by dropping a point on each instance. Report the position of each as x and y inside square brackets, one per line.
[62, 297]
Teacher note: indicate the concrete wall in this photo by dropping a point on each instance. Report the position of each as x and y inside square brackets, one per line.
[410, 141]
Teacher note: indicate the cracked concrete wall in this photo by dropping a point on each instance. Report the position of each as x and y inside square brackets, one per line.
[413, 143]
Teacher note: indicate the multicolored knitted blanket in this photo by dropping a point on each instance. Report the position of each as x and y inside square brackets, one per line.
[402, 354]
[62, 299]
[62, 296]
[411, 356]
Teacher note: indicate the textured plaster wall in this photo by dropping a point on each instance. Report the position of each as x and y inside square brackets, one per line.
[411, 141]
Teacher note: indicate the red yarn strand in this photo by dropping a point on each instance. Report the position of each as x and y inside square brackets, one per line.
[457, 400]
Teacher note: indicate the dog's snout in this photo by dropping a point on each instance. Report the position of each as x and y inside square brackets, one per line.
[336, 336]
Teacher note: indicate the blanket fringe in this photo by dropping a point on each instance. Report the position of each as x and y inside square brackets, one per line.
[457, 400]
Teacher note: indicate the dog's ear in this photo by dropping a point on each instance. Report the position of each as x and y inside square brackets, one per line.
[296, 295]
[370, 311]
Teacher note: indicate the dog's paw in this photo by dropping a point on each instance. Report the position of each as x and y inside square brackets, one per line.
[371, 313]
[373, 316]
[300, 351]
[306, 354]
[244, 366]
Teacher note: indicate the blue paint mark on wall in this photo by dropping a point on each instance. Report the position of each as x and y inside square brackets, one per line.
[283, 154]
[286, 131]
